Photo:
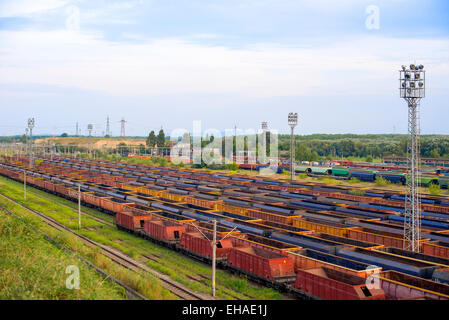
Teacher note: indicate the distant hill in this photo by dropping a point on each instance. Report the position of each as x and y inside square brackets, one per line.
[95, 141]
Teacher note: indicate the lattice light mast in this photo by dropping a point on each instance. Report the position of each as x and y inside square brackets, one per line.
[292, 122]
[412, 89]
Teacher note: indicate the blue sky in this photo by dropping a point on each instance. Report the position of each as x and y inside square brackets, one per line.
[226, 63]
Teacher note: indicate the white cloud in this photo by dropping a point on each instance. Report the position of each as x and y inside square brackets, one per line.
[173, 66]
[15, 8]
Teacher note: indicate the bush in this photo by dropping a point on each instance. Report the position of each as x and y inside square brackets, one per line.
[381, 182]
[354, 180]
[286, 172]
[160, 161]
[38, 162]
[434, 189]
[358, 192]
[232, 166]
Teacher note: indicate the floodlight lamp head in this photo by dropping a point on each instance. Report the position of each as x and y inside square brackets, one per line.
[412, 83]
[292, 119]
[31, 123]
[264, 125]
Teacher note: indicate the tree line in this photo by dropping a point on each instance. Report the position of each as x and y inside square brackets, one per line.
[362, 146]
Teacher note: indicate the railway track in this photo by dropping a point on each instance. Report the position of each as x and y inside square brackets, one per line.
[119, 258]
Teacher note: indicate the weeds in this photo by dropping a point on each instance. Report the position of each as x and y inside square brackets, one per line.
[434, 189]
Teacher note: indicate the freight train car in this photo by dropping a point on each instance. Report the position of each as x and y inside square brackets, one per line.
[262, 263]
[329, 284]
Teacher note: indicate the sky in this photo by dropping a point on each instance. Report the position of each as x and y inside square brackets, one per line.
[167, 63]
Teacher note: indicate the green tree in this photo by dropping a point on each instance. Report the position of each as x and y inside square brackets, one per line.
[151, 140]
[23, 138]
[64, 135]
[434, 153]
[369, 159]
[303, 153]
[160, 139]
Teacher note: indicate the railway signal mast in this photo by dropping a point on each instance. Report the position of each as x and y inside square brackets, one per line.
[292, 122]
[412, 90]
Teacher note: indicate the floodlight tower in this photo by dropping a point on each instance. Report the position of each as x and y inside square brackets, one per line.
[292, 122]
[122, 129]
[30, 127]
[107, 127]
[90, 128]
[412, 90]
[262, 152]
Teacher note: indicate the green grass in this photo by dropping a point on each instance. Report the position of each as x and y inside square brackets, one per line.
[167, 261]
[34, 268]
[330, 181]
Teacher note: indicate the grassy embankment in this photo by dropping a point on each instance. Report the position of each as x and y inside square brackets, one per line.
[192, 274]
[32, 268]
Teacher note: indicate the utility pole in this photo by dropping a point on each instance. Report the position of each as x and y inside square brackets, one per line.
[412, 90]
[292, 122]
[79, 207]
[76, 134]
[214, 250]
